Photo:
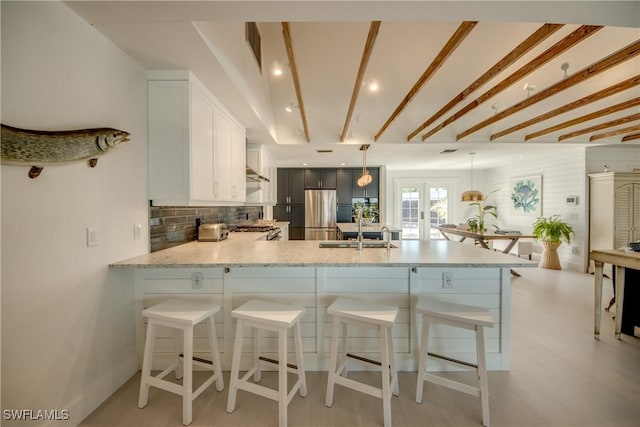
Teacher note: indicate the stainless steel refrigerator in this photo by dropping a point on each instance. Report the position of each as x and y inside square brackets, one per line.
[320, 214]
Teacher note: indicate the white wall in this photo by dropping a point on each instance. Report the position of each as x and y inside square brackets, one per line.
[563, 174]
[617, 158]
[67, 321]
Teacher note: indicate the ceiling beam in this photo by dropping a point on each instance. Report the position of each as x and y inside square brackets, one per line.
[600, 126]
[611, 90]
[461, 33]
[610, 61]
[366, 54]
[532, 41]
[286, 33]
[614, 132]
[587, 117]
[631, 137]
[563, 45]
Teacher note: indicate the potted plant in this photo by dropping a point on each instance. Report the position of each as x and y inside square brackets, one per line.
[369, 213]
[477, 222]
[552, 232]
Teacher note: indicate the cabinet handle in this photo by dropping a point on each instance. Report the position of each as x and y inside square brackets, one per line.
[320, 184]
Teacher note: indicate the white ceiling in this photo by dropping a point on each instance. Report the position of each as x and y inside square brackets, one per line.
[328, 39]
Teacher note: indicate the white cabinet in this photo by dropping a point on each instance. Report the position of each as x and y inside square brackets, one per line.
[614, 209]
[259, 191]
[196, 148]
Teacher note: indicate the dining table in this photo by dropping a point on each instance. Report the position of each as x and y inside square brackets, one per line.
[485, 237]
[621, 259]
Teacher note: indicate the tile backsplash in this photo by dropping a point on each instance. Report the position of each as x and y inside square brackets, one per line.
[171, 226]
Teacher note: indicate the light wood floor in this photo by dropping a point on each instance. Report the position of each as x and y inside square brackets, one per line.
[560, 376]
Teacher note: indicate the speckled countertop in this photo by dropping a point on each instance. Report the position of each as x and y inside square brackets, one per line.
[241, 250]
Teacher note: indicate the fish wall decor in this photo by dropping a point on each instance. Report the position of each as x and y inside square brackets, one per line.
[39, 148]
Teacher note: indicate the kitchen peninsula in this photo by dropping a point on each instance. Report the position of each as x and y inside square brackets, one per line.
[300, 273]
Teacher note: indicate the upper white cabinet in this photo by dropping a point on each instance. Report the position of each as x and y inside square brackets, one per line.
[197, 150]
[614, 209]
[259, 190]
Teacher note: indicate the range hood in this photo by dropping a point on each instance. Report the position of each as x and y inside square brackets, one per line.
[255, 176]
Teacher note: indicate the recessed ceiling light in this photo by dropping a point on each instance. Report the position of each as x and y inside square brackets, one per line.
[276, 69]
[305, 164]
[373, 86]
[288, 109]
[343, 163]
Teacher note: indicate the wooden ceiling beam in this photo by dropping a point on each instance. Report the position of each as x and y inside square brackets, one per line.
[461, 33]
[600, 126]
[563, 45]
[529, 43]
[587, 117]
[606, 63]
[611, 90]
[366, 54]
[631, 137]
[616, 132]
[288, 42]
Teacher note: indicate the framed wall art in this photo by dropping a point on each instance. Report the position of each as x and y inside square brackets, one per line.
[526, 196]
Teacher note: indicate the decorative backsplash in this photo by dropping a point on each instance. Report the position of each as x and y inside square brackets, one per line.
[171, 226]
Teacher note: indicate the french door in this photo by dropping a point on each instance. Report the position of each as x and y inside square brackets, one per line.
[422, 207]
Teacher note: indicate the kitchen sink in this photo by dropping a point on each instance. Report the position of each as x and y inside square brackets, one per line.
[353, 244]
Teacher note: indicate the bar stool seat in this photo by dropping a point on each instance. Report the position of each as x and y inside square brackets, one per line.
[180, 315]
[459, 316]
[278, 318]
[378, 317]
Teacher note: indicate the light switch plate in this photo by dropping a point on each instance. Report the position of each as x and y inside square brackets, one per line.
[92, 236]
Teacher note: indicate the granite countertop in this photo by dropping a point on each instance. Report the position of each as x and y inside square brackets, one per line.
[240, 250]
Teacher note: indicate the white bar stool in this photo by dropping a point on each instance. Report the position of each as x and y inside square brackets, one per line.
[459, 316]
[378, 317]
[277, 318]
[180, 315]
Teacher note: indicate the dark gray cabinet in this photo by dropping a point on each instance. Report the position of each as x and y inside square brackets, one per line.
[320, 178]
[290, 201]
[290, 186]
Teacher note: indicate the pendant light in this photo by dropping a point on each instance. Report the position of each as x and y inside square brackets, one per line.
[365, 178]
[472, 195]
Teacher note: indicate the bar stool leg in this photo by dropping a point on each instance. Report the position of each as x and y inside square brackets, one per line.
[482, 375]
[187, 382]
[143, 397]
[422, 365]
[343, 359]
[257, 376]
[215, 354]
[282, 377]
[177, 349]
[302, 377]
[386, 392]
[392, 359]
[235, 368]
[333, 356]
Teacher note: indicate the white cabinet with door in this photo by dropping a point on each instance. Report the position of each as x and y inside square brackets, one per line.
[259, 190]
[196, 148]
[614, 209]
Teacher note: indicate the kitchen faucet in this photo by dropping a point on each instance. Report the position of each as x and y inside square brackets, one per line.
[387, 238]
[359, 217]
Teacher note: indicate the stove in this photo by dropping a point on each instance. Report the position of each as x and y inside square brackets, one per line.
[273, 232]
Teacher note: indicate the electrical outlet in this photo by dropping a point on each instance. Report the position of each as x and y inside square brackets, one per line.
[197, 280]
[447, 280]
